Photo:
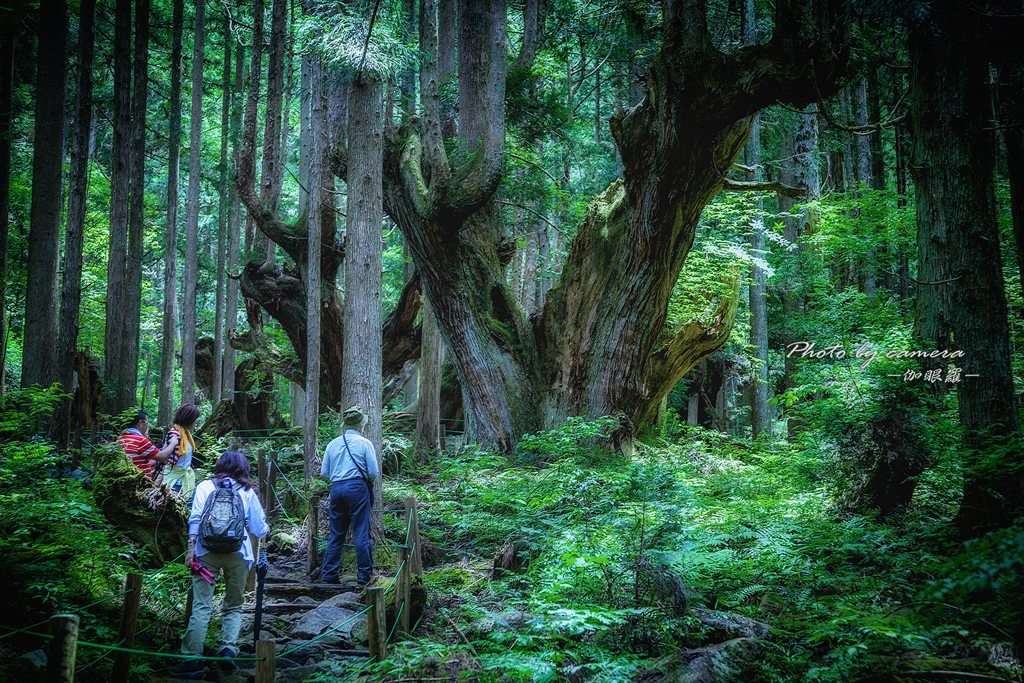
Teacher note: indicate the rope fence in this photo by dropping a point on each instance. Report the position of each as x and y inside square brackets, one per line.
[64, 628]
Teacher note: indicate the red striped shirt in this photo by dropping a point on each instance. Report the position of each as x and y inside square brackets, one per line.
[140, 449]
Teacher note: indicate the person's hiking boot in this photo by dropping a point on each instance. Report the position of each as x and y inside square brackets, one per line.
[228, 653]
[190, 668]
[332, 581]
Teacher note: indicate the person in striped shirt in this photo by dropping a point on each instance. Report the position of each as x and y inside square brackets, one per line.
[139, 449]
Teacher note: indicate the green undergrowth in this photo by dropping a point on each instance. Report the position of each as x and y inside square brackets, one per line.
[618, 558]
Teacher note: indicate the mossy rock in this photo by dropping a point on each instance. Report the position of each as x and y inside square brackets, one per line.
[150, 516]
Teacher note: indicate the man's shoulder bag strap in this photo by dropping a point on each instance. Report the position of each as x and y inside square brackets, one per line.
[362, 472]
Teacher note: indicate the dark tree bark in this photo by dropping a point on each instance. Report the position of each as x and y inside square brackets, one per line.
[39, 364]
[117, 252]
[170, 313]
[6, 133]
[1010, 99]
[954, 166]
[934, 302]
[188, 370]
[78, 191]
[128, 388]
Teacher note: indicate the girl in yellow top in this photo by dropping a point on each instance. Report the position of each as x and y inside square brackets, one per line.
[179, 474]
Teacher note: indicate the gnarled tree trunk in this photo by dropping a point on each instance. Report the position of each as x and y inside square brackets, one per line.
[599, 347]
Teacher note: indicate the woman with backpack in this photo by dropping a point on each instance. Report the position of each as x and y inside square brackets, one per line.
[178, 472]
[223, 507]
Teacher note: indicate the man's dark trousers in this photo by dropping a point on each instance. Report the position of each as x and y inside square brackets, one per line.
[350, 504]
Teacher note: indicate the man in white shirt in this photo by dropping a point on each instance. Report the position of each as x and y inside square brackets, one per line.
[350, 464]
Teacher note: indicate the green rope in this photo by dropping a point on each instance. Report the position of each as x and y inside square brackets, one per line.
[46, 621]
[292, 485]
[114, 648]
[153, 624]
[397, 616]
[299, 647]
[359, 668]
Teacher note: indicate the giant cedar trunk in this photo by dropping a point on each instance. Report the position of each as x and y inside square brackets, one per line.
[599, 346]
[39, 355]
[38, 360]
[957, 149]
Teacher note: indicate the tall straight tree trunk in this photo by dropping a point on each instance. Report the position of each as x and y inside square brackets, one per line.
[188, 350]
[170, 313]
[117, 253]
[362, 317]
[78, 192]
[410, 391]
[314, 280]
[6, 133]
[955, 167]
[408, 77]
[759, 417]
[1010, 98]
[866, 178]
[934, 302]
[272, 173]
[128, 389]
[803, 174]
[224, 194]
[235, 234]
[39, 364]
[304, 126]
[428, 419]
[247, 157]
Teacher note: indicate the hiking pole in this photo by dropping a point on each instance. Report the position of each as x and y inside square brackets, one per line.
[262, 565]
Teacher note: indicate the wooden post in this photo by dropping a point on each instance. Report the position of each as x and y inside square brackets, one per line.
[265, 665]
[312, 529]
[414, 535]
[261, 468]
[442, 438]
[60, 653]
[250, 580]
[271, 483]
[126, 629]
[375, 623]
[403, 588]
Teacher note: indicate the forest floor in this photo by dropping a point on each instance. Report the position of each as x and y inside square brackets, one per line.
[707, 559]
